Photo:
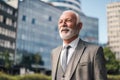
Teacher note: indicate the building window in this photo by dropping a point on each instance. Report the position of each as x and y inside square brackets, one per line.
[9, 11]
[14, 24]
[24, 18]
[0, 5]
[9, 21]
[33, 21]
[49, 18]
[4, 20]
[7, 32]
[1, 18]
[15, 14]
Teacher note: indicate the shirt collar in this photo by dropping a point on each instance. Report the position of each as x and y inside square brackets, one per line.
[73, 44]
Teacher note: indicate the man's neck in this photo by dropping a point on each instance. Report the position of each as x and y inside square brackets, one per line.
[70, 40]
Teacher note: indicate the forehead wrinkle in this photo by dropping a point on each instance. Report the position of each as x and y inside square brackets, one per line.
[69, 16]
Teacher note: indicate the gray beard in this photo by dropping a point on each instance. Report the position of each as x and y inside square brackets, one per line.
[69, 35]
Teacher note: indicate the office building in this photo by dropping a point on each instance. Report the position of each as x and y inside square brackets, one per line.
[113, 24]
[37, 30]
[8, 22]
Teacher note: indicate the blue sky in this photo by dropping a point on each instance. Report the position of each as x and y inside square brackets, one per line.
[97, 8]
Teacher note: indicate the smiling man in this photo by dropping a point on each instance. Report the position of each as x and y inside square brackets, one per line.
[76, 59]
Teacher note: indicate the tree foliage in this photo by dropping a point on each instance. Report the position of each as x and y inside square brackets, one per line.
[5, 57]
[8, 62]
[29, 59]
[112, 64]
[37, 59]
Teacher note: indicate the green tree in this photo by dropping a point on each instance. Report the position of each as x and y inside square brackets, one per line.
[8, 62]
[38, 59]
[26, 60]
[29, 59]
[112, 64]
[1, 55]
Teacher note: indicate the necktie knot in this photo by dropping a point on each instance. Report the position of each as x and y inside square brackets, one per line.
[67, 47]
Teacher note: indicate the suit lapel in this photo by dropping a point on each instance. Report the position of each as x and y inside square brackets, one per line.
[74, 60]
[56, 57]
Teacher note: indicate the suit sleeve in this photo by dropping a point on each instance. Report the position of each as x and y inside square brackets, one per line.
[100, 72]
[52, 63]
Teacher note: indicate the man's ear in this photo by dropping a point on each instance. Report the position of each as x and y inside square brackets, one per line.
[80, 25]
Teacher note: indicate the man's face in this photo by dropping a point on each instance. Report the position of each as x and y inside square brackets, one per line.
[68, 25]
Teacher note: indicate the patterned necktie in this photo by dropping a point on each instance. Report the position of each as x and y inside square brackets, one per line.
[65, 57]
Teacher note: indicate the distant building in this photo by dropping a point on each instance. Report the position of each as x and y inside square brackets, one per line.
[37, 30]
[67, 4]
[8, 22]
[113, 23]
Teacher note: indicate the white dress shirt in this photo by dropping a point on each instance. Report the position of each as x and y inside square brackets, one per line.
[73, 45]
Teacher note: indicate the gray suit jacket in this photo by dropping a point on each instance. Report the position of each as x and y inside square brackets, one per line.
[87, 63]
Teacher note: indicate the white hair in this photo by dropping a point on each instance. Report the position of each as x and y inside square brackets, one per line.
[76, 14]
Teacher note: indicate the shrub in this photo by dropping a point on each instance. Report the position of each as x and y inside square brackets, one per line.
[4, 76]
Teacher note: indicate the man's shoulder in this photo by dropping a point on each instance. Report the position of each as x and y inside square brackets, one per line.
[91, 45]
[93, 49]
[57, 48]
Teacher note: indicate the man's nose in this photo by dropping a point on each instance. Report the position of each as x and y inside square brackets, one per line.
[64, 24]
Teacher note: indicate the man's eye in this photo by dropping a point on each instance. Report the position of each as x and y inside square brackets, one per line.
[69, 20]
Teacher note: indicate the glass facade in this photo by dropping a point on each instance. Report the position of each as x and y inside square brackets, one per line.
[89, 30]
[37, 29]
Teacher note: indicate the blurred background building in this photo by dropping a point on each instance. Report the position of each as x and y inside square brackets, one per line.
[37, 30]
[113, 24]
[8, 26]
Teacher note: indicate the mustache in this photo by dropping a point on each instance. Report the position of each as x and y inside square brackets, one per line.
[65, 29]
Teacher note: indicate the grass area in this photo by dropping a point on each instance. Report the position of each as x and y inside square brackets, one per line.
[114, 77]
[4, 76]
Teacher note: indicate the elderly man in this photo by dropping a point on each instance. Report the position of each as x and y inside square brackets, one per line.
[76, 59]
